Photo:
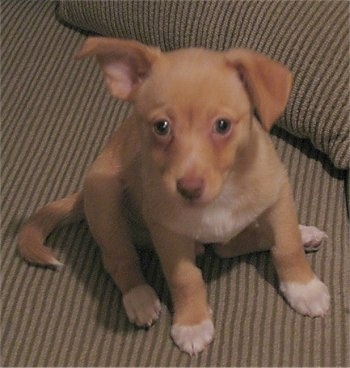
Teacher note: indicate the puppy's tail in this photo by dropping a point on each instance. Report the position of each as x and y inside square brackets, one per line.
[33, 234]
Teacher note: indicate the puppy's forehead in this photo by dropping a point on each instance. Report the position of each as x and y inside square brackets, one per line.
[195, 77]
[186, 58]
[191, 66]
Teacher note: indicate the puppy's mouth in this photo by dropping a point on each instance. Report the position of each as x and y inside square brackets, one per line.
[193, 202]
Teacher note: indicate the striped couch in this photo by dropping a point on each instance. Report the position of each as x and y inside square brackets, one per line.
[56, 116]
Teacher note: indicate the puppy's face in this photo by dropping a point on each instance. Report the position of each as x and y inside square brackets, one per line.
[195, 116]
[194, 107]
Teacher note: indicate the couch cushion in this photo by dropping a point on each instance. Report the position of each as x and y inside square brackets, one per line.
[311, 37]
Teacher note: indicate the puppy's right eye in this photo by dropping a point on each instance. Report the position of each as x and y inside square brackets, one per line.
[162, 128]
[222, 126]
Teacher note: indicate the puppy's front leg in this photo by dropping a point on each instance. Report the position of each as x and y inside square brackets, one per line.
[300, 286]
[102, 200]
[192, 328]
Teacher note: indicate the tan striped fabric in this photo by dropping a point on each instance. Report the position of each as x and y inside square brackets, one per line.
[311, 37]
[56, 116]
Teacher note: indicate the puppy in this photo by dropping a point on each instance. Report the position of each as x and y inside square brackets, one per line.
[192, 165]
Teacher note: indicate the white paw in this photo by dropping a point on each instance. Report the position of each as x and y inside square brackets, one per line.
[311, 299]
[142, 305]
[312, 237]
[193, 339]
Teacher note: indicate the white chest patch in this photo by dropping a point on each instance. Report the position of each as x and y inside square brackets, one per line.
[217, 222]
[221, 222]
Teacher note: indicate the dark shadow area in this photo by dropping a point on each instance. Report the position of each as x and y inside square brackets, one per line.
[306, 147]
[68, 25]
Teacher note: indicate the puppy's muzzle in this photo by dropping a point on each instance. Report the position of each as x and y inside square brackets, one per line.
[190, 188]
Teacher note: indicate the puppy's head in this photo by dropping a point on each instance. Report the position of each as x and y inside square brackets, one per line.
[195, 107]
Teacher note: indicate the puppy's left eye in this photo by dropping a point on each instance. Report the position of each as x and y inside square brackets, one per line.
[222, 126]
[162, 128]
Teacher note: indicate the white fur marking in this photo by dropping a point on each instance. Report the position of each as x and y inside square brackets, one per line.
[193, 339]
[56, 264]
[215, 222]
[311, 299]
[142, 305]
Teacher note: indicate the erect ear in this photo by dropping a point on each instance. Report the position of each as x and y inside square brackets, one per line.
[268, 83]
[125, 63]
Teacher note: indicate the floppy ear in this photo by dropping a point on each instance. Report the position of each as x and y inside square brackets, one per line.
[268, 83]
[125, 63]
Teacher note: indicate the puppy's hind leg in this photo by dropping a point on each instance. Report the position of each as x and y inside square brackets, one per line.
[103, 191]
[312, 238]
[255, 238]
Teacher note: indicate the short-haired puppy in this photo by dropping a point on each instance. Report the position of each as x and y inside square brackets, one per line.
[192, 165]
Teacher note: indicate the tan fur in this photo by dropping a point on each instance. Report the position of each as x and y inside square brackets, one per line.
[32, 236]
[191, 185]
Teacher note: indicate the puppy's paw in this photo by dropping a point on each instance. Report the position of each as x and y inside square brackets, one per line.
[142, 305]
[312, 237]
[311, 299]
[193, 339]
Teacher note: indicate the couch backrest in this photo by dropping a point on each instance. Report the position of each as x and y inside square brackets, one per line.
[310, 37]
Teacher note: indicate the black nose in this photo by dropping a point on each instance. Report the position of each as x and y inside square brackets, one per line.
[190, 188]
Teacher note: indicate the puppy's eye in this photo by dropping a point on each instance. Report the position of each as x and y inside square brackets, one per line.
[162, 128]
[222, 126]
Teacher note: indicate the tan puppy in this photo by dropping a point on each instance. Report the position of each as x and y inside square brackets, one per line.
[192, 165]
